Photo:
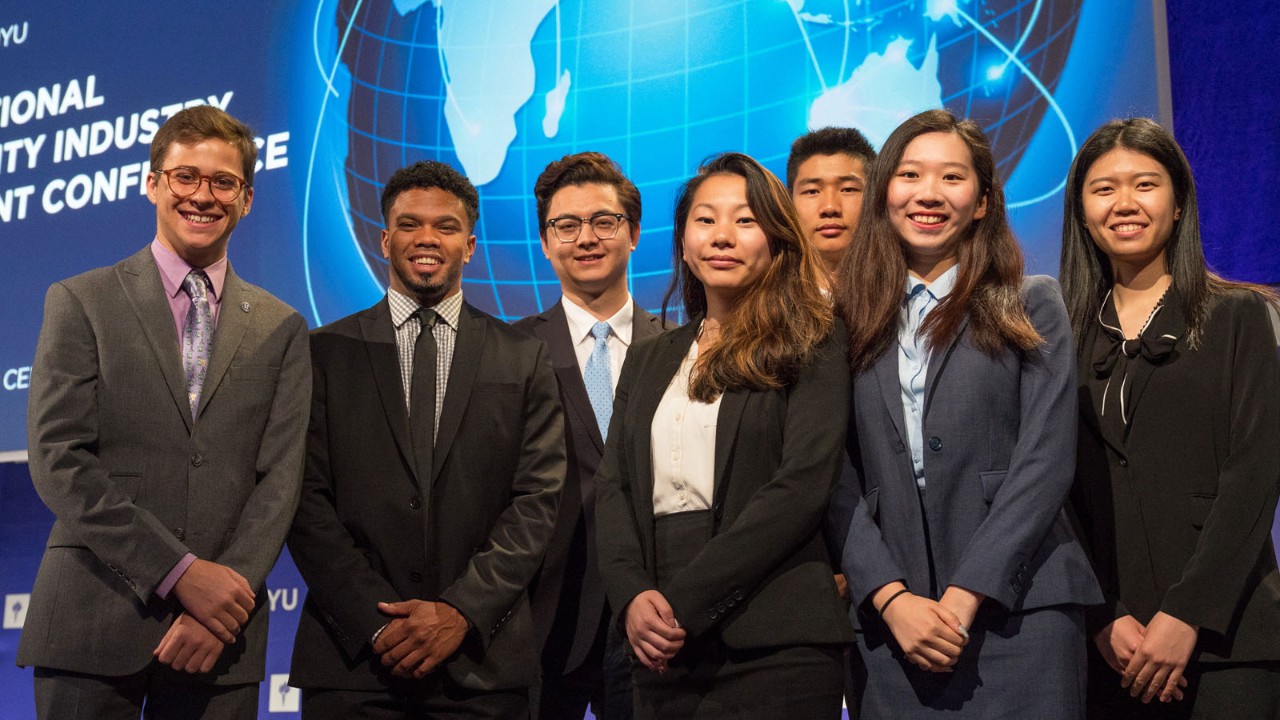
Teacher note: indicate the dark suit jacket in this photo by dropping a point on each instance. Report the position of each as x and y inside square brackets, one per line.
[472, 534]
[135, 484]
[764, 578]
[567, 596]
[1178, 515]
[999, 438]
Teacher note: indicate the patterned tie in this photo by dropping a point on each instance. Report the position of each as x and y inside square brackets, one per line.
[599, 379]
[197, 336]
[422, 393]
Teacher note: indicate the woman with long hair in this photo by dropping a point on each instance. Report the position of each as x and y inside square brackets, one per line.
[967, 581]
[1179, 442]
[722, 453]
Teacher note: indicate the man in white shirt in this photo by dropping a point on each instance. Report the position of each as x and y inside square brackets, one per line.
[589, 224]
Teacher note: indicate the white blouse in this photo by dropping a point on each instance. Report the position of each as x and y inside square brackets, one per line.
[683, 446]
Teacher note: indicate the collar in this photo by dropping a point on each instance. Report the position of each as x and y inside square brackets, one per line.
[403, 307]
[173, 270]
[939, 288]
[580, 321]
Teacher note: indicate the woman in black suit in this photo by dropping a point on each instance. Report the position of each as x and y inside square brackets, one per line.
[1179, 443]
[724, 447]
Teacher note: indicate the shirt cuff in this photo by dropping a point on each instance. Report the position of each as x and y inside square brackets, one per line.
[172, 578]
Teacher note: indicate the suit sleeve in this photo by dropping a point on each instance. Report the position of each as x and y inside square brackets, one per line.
[62, 438]
[865, 559]
[268, 512]
[340, 580]
[618, 547]
[1237, 529]
[787, 509]
[1042, 464]
[497, 576]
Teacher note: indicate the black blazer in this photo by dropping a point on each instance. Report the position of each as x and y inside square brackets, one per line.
[567, 596]
[764, 578]
[368, 529]
[1178, 517]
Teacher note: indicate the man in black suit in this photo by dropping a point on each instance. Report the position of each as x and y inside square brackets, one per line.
[434, 465]
[589, 221]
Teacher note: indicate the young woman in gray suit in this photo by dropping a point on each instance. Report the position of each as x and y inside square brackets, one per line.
[967, 581]
[722, 453]
[1179, 451]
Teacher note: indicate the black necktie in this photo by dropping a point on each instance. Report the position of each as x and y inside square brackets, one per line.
[422, 396]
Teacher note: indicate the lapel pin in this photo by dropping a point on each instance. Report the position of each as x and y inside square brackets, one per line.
[244, 306]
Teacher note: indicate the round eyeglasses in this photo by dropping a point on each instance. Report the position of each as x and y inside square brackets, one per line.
[604, 225]
[185, 181]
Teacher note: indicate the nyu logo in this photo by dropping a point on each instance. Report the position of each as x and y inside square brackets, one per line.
[283, 698]
[15, 610]
[285, 599]
[10, 35]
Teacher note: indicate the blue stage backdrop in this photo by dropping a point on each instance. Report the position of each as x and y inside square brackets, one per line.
[342, 92]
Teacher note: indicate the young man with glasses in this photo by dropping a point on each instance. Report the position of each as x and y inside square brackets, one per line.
[167, 414]
[589, 220]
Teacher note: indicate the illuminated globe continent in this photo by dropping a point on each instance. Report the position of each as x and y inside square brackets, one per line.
[500, 89]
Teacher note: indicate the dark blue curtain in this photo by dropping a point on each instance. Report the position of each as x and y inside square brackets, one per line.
[1224, 66]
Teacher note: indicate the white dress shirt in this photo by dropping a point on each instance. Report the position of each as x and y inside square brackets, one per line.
[580, 322]
[683, 446]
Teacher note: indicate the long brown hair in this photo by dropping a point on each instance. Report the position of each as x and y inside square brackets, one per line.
[1085, 271]
[989, 278]
[776, 323]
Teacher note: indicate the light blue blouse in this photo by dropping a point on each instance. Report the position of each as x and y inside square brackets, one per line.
[913, 357]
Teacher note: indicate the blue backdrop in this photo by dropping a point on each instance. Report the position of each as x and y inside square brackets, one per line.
[342, 92]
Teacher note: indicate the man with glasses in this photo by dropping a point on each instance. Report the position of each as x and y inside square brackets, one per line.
[589, 219]
[167, 415]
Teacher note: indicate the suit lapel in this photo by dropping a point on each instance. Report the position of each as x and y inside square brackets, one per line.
[462, 377]
[727, 420]
[146, 295]
[235, 312]
[1086, 372]
[379, 336]
[886, 372]
[554, 331]
[938, 363]
[670, 352]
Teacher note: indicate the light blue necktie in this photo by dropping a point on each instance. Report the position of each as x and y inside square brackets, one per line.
[197, 336]
[599, 379]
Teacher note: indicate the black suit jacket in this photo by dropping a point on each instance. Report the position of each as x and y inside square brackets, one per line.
[1178, 515]
[567, 597]
[764, 579]
[368, 529]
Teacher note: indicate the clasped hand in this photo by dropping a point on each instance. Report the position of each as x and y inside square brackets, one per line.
[420, 636]
[652, 630]
[1151, 660]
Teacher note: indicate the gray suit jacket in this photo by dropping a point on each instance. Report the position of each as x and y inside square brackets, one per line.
[567, 596]
[135, 484]
[999, 442]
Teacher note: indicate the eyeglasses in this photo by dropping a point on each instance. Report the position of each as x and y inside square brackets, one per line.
[604, 225]
[185, 181]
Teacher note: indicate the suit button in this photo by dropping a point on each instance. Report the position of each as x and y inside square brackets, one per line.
[180, 533]
[718, 510]
[713, 615]
[197, 460]
[935, 443]
[415, 502]
[1124, 462]
[415, 576]
[737, 595]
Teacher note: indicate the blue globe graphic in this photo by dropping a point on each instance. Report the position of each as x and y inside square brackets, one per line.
[500, 89]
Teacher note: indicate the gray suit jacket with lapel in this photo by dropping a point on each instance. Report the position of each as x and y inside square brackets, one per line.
[999, 442]
[567, 597]
[371, 528]
[135, 483]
